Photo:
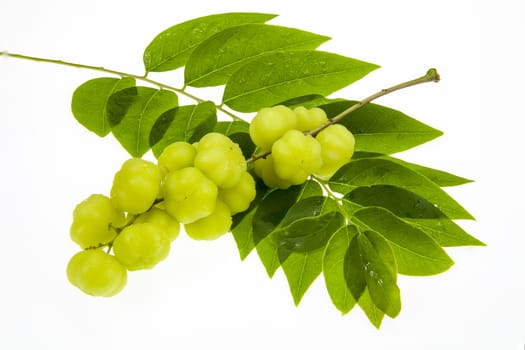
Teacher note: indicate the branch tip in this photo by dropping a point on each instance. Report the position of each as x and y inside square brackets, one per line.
[433, 75]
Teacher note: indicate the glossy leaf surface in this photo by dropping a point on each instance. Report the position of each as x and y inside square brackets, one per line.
[171, 48]
[280, 76]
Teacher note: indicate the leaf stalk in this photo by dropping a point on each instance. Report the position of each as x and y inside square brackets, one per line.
[143, 78]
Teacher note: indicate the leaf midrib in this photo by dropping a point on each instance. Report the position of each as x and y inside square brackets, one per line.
[249, 58]
[290, 81]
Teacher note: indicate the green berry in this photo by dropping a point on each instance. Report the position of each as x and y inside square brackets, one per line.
[189, 195]
[165, 221]
[309, 119]
[176, 156]
[213, 226]
[270, 123]
[220, 159]
[337, 148]
[94, 220]
[239, 197]
[136, 186]
[296, 156]
[264, 168]
[141, 246]
[96, 273]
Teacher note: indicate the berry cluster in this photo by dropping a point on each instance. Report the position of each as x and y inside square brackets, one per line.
[295, 153]
[200, 185]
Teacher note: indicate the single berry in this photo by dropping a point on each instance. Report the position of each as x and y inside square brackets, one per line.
[96, 273]
[189, 195]
[141, 246]
[270, 123]
[213, 226]
[296, 156]
[337, 148]
[136, 186]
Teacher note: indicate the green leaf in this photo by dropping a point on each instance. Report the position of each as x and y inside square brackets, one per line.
[133, 111]
[374, 314]
[378, 265]
[184, 123]
[380, 129]
[269, 254]
[353, 269]
[238, 132]
[217, 58]
[415, 210]
[308, 101]
[309, 233]
[416, 253]
[333, 269]
[299, 240]
[171, 48]
[234, 127]
[301, 270]
[275, 206]
[439, 177]
[268, 216]
[375, 171]
[280, 76]
[399, 201]
[90, 99]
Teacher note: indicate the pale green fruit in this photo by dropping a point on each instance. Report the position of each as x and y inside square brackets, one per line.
[165, 221]
[296, 156]
[141, 246]
[94, 220]
[239, 197]
[213, 226]
[136, 186]
[220, 159]
[270, 123]
[96, 273]
[176, 156]
[309, 119]
[264, 168]
[337, 148]
[189, 195]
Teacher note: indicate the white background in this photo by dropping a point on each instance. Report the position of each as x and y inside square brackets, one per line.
[203, 296]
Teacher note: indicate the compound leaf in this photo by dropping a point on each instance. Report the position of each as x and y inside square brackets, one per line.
[132, 113]
[280, 76]
[214, 60]
[185, 123]
[90, 100]
[381, 129]
[171, 48]
[376, 171]
[416, 253]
